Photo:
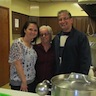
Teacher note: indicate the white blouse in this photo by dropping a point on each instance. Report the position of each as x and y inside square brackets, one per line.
[28, 56]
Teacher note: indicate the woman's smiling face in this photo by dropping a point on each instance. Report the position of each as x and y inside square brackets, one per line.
[31, 31]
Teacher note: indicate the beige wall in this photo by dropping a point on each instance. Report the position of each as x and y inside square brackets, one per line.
[5, 3]
[39, 9]
[21, 6]
[42, 9]
[34, 9]
[51, 9]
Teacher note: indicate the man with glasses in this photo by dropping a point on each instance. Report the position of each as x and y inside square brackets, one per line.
[72, 47]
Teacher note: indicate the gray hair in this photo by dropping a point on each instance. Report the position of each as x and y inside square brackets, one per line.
[64, 11]
[48, 28]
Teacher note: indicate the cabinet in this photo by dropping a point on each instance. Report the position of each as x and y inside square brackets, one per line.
[18, 21]
[34, 19]
[51, 21]
[79, 22]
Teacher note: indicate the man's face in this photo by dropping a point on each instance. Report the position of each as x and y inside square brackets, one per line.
[65, 22]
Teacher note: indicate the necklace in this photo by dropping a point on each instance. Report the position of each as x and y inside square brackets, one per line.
[26, 43]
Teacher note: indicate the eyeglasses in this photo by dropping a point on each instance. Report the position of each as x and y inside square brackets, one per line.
[45, 34]
[65, 18]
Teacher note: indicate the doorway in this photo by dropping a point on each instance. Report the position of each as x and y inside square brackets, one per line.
[4, 45]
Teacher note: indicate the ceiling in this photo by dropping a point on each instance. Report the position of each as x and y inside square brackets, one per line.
[53, 0]
[89, 6]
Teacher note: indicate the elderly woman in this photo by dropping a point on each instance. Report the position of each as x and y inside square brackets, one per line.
[46, 57]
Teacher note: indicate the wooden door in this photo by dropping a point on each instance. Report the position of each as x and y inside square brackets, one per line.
[4, 45]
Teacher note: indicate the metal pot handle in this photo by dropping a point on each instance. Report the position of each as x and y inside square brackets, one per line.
[48, 83]
[77, 76]
[43, 88]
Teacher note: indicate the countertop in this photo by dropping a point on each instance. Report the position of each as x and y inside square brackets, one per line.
[10, 92]
[16, 93]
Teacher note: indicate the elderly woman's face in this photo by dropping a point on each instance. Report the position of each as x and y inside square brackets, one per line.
[45, 35]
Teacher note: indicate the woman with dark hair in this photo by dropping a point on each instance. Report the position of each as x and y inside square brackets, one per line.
[22, 59]
[25, 27]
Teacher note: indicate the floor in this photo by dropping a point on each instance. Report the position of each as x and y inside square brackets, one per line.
[6, 86]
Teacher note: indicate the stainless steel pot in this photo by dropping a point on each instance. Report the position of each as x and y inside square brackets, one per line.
[73, 84]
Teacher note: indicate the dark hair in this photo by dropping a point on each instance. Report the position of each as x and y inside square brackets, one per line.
[65, 11]
[25, 27]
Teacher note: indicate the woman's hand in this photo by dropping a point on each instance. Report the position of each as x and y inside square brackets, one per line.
[20, 72]
[24, 87]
